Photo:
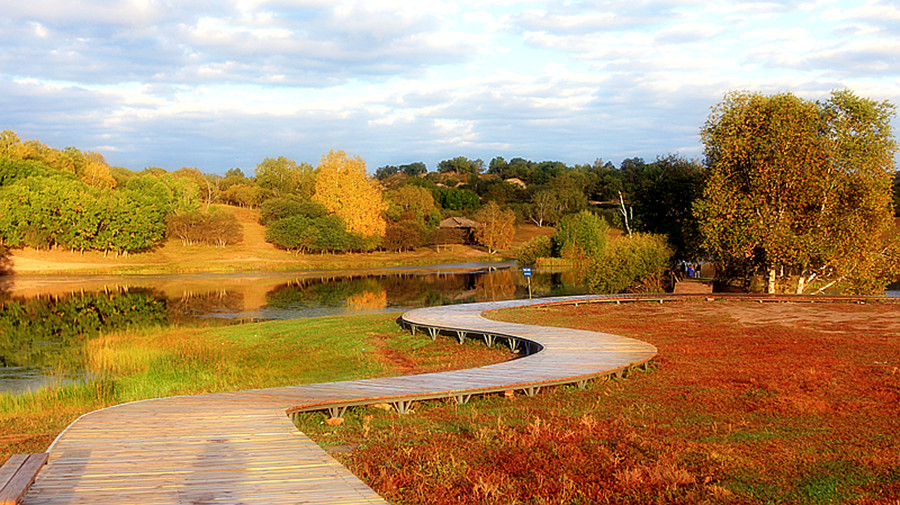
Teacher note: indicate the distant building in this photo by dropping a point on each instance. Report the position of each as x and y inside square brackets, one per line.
[516, 182]
[458, 230]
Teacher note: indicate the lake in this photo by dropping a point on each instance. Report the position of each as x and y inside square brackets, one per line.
[45, 320]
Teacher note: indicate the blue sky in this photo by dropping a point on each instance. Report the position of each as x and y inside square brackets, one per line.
[216, 85]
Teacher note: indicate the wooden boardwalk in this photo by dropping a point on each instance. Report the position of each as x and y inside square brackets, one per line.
[242, 448]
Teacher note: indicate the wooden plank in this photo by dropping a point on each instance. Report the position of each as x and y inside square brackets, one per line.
[239, 447]
[10, 468]
[23, 477]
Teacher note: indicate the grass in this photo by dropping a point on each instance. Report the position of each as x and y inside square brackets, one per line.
[745, 404]
[157, 362]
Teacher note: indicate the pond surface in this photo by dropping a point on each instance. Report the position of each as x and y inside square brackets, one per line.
[45, 321]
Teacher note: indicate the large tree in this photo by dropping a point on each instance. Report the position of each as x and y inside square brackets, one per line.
[284, 176]
[344, 189]
[800, 189]
[663, 194]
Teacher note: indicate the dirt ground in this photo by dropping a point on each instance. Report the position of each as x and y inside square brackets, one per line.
[824, 318]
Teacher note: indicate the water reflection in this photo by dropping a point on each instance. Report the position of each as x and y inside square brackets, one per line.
[307, 297]
[42, 338]
[46, 322]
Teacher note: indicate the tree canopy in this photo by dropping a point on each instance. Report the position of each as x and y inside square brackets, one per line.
[344, 189]
[800, 189]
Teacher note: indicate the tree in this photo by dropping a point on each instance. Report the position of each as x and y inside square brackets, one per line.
[382, 173]
[635, 263]
[283, 176]
[414, 169]
[461, 165]
[498, 166]
[458, 199]
[274, 209]
[495, 227]
[211, 227]
[343, 187]
[412, 203]
[663, 199]
[544, 207]
[579, 236]
[800, 188]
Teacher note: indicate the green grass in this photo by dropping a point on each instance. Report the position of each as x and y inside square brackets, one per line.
[157, 362]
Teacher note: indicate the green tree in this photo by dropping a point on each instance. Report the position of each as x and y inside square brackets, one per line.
[801, 189]
[414, 169]
[212, 227]
[458, 199]
[535, 249]
[461, 165]
[581, 235]
[279, 208]
[663, 197]
[411, 203]
[283, 176]
[635, 263]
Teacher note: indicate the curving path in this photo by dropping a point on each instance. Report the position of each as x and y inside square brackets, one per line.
[242, 448]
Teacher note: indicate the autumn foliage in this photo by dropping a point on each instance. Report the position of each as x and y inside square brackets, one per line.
[495, 227]
[746, 403]
[345, 190]
[801, 190]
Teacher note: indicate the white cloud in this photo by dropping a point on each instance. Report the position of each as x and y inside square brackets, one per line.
[154, 83]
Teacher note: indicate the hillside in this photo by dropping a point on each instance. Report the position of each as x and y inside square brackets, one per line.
[253, 253]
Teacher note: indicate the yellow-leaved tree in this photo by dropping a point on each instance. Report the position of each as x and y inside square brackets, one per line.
[344, 189]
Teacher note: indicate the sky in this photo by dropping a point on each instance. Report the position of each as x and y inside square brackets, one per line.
[225, 84]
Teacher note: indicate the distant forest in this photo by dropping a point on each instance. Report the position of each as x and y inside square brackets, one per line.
[74, 200]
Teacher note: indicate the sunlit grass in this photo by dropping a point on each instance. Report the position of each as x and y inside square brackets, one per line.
[137, 364]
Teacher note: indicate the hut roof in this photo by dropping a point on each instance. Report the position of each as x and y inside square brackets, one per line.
[458, 222]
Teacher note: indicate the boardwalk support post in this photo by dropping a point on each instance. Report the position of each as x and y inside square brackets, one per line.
[432, 332]
[337, 411]
[402, 406]
[512, 343]
[461, 336]
[582, 384]
[531, 391]
[462, 399]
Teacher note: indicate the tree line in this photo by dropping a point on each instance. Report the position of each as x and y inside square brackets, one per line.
[799, 191]
[74, 200]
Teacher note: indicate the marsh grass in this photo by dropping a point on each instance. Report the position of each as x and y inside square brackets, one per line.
[154, 362]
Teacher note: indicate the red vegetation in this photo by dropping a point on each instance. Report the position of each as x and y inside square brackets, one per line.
[747, 403]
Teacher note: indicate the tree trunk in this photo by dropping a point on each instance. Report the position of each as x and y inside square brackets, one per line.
[770, 285]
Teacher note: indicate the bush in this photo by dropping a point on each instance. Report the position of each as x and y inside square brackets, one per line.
[537, 247]
[404, 236]
[211, 228]
[323, 234]
[447, 236]
[632, 263]
[579, 236]
[280, 208]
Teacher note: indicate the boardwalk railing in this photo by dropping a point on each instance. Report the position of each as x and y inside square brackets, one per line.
[240, 447]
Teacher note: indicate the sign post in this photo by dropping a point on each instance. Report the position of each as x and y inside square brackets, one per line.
[526, 271]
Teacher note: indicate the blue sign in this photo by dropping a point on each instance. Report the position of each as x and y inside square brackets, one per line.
[526, 271]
